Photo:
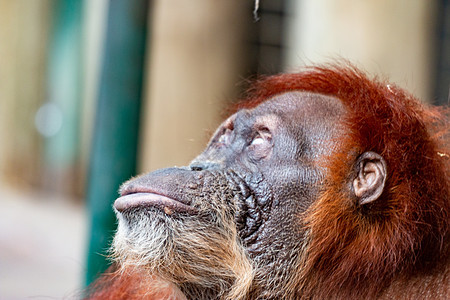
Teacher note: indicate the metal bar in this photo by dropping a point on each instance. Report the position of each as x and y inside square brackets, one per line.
[115, 139]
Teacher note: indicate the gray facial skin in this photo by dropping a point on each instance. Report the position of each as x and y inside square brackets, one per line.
[260, 171]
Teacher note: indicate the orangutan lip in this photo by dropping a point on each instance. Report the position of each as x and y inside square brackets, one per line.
[139, 200]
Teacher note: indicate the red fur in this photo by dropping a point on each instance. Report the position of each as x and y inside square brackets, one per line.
[132, 284]
[358, 251]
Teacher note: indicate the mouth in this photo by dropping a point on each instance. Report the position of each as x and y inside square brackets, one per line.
[149, 200]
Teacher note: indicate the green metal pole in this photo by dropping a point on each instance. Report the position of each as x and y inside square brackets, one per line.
[115, 139]
[63, 137]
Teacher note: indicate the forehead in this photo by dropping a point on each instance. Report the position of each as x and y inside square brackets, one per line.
[302, 106]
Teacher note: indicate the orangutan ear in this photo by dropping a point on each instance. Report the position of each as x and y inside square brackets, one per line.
[370, 170]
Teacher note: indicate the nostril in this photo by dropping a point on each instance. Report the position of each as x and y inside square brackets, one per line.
[203, 165]
[196, 168]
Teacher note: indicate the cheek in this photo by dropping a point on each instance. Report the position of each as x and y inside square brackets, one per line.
[293, 188]
[282, 234]
[295, 185]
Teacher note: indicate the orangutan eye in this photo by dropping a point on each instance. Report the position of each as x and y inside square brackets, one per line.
[261, 145]
[263, 136]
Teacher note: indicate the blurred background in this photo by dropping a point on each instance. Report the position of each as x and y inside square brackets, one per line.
[94, 92]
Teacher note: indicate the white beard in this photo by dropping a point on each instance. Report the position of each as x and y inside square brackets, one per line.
[185, 250]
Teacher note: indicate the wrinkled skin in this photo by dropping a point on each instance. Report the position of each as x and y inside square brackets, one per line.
[259, 173]
[274, 148]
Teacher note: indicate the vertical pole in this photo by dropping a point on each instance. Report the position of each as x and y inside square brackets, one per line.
[114, 147]
[442, 70]
[63, 108]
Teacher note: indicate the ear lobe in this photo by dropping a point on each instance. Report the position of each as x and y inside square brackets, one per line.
[370, 177]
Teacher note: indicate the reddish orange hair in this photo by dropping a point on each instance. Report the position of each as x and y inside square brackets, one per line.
[131, 284]
[359, 249]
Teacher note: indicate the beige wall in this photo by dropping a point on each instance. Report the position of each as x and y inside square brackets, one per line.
[24, 32]
[196, 54]
[390, 38]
